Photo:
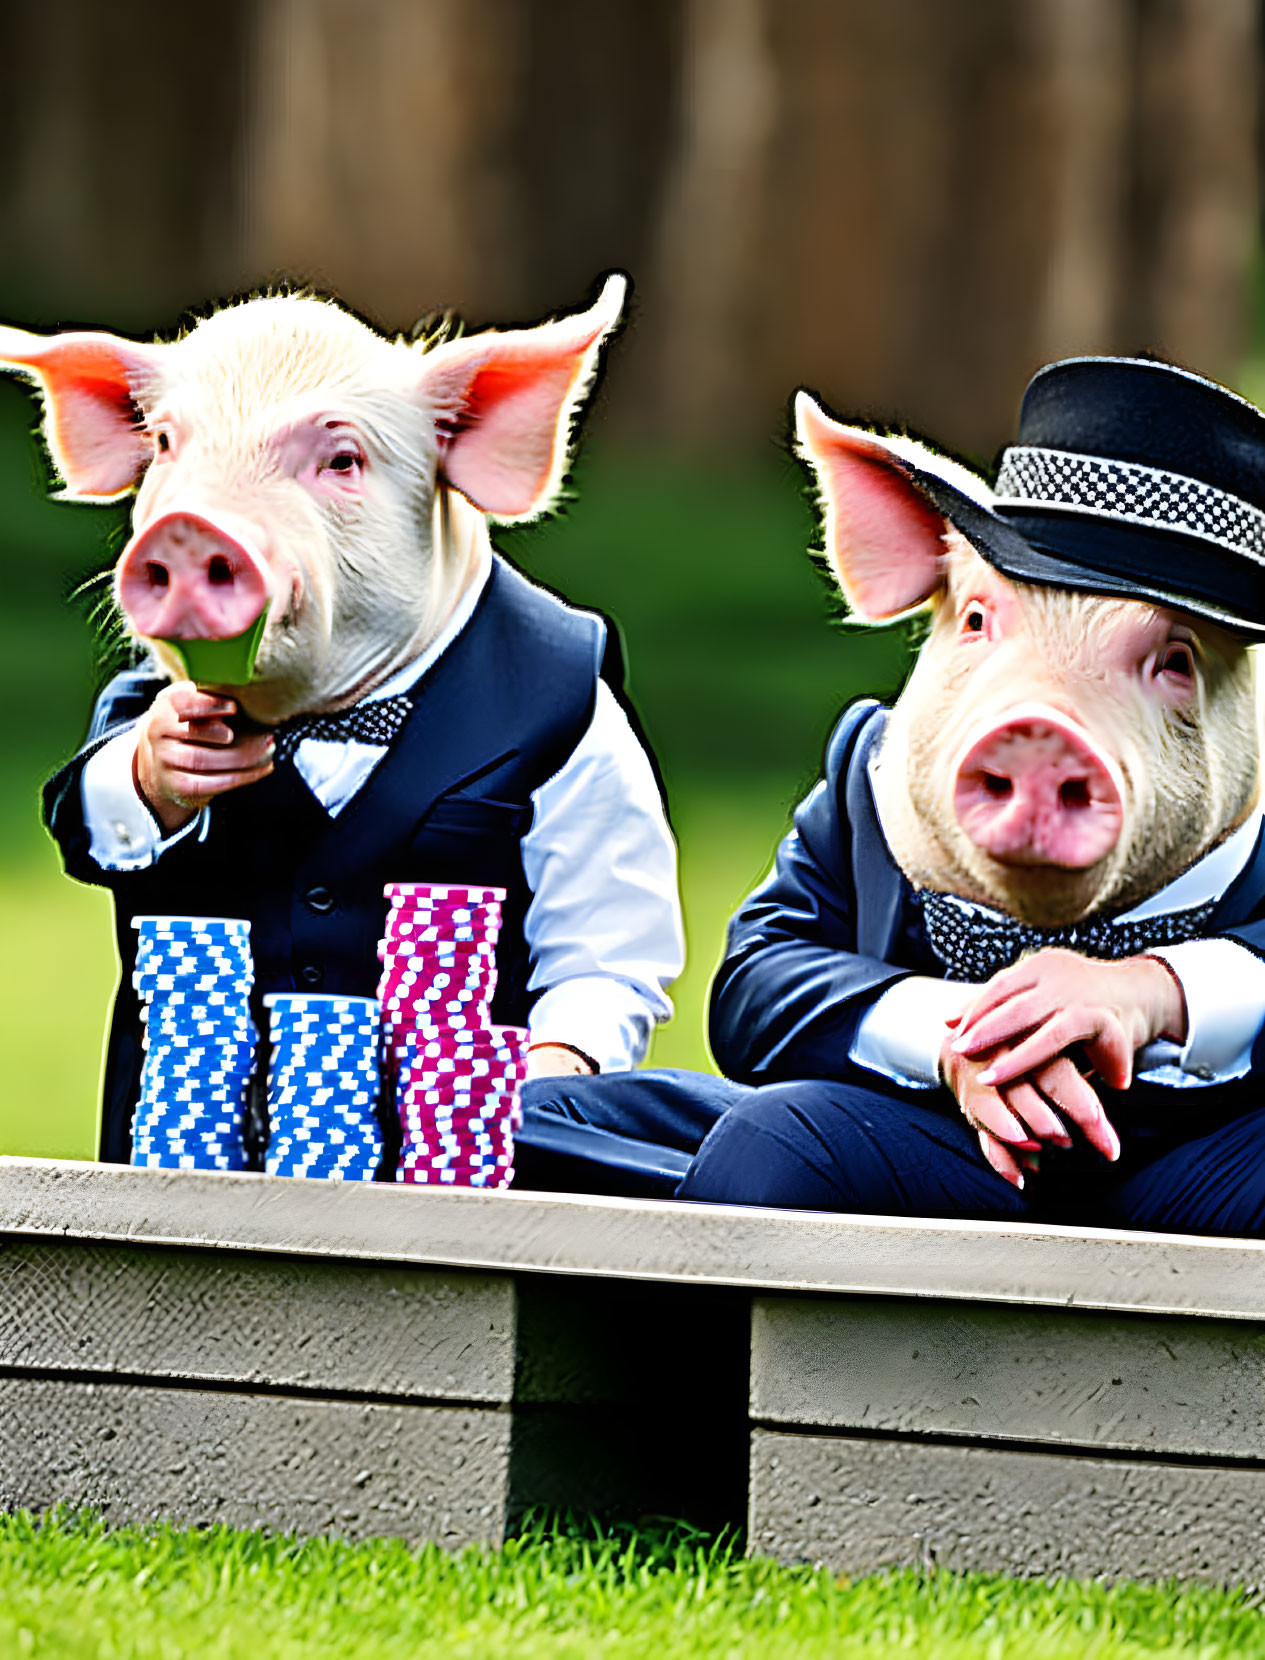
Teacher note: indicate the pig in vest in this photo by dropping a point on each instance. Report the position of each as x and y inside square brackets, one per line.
[418, 710]
[1010, 961]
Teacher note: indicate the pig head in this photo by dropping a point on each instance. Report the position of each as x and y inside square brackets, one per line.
[1054, 754]
[287, 462]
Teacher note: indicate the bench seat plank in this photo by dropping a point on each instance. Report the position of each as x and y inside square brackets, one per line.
[639, 1239]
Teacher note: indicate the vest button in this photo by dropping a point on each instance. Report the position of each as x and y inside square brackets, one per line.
[311, 975]
[320, 899]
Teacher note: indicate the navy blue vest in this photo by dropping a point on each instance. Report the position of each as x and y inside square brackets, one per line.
[495, 718]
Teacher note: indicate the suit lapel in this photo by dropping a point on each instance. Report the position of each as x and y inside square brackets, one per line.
[876, 878]
[1245, 895]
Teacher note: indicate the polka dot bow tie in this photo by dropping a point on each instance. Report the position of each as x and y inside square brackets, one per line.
[974, 944]
[375, 722]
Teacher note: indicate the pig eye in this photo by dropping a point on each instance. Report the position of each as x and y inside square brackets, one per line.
[346, 462]
[1176, 658]
[973, 620]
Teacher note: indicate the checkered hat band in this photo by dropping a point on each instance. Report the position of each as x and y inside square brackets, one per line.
[1132, 494]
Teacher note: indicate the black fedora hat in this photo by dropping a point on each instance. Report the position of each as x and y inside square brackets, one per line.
[1129, 477]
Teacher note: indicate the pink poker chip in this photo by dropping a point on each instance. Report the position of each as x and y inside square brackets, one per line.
[424, 1132]
[444, 1072]
[429, 933]
[441, 1161]
[458, 951]
[474, 1117]
[437, 1088]
[444, 910]
[444, 890]
[457, 917]
[425, 1129]
[434, 1178]
[425, 1138]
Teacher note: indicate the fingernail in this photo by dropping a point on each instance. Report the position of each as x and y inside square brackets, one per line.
[960, 1045]
[988, 1076]
[1018, 1179]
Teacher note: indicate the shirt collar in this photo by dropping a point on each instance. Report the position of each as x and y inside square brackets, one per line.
[1208, 878]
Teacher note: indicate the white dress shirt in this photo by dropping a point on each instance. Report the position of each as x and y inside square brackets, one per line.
[603, 926]
[1223, 982]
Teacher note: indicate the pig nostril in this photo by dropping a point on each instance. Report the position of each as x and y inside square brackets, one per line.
[156, 574]
[997, 785]
[1074, 792]
[219, 571]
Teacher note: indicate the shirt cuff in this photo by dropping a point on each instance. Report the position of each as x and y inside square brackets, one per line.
[901, 1035]
[122, 832]
[1224, 986]
[604, 1017]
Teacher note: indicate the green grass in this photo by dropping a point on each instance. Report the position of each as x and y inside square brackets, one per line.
[71, 1591]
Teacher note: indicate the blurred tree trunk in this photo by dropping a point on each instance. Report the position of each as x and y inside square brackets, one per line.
[1087, 46]
[1196, 183]
[707, 282]
[593, 132]
[379, 140]
[115, 204]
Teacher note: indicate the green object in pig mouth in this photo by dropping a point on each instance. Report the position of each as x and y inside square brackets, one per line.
[228, 662]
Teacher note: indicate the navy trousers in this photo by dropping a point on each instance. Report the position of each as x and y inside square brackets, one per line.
[818, 1144]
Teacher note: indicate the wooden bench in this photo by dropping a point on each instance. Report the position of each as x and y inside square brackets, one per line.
[435, 1363]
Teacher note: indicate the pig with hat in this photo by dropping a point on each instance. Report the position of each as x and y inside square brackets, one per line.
[341, 684]
[1010, 960]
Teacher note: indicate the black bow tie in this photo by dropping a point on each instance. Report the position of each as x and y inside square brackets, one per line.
[974, 944]
[372, 722]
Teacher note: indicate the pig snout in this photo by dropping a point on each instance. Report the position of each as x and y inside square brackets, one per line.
[183, 578]
[1034, 790]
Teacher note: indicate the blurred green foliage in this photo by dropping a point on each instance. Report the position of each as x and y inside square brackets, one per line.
[736, 664]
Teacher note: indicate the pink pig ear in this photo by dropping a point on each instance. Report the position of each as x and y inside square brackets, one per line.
[883, 536]
[504, 404]
[89, 383]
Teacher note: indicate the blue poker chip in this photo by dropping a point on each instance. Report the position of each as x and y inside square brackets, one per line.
[331, 1049]
[325, 1043]
[162, 1078]
[187, 963]
[211, 1144]
[188, 1161]
[342, 1118]
[309, 1158]
[313, 1153]
[227, 1000]
[189, 1047]
[181, 927]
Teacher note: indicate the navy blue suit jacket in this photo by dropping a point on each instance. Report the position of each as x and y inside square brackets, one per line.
[837, 923]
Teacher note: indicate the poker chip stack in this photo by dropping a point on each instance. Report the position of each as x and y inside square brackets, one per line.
[323, 1087]
[194, 975]
[457, 1076]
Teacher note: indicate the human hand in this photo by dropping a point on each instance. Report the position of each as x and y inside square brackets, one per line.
[1013, 1120]
[1037, 1010]
[187, 753]
[556, 1060]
